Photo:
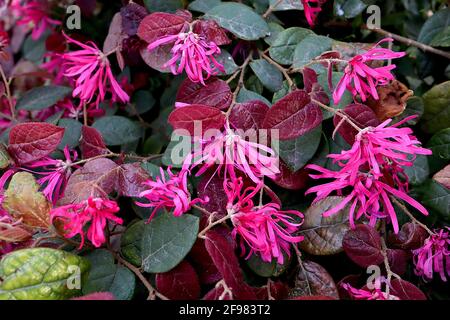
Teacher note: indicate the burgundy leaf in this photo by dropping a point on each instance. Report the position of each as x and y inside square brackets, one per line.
[352, 280]
[160, 24]
[361, 115]
[211, 32]
[312, 86]
[180, 283]
[398, 260]
[213, 189]
[411, 236]
[294, 115]
[115, 36]
[216, 93]
[278, 291]
[203, 264]
[215, 294]
[205, 117]
[249, 115]
[157, 57]
[132, 15]
[97, 296]
[314, 298]
[363, 246]
[185, 14]
[222, 253]
[91, 143]
[98, 178]
[33, 140]
[406, 290]
[291, 180]
[131, 179]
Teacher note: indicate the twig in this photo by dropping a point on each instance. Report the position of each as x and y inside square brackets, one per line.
[211, 225]
[389, 272]
[411, 42]
[8, 93]
[410, 215]
[337, 112]
[240, 84]
[300, 263]
[85, 116]
[279, 67]
[271, 8]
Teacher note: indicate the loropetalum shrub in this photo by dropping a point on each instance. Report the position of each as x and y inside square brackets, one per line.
[207, 149]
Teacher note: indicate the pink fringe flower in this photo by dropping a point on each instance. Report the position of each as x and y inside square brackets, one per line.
[362, 79]
[192, 54]
[168, 191]
[230, 151]
[434, 256]
[265, 230]
[312, 8]
[34, 14]
[366, 294]
[96, 211]
[91, 70]
[368, 168]
[55, 173]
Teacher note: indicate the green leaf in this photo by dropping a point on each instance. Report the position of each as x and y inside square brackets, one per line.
[419, 171]
[436, 24]
[440, 144]
[283, 5]
[225, 59]
[346, 99]
[42, 97]
[177, 151]
[437, 108]
[437, 197]
[239, 19]
[247, 95]
[166, 240]
[130, 243]
[309, 48]
[143, 102]
[203, 5]
[41, 274]
[323, 235]
[349, 8]
[34, 50]
[268, 74]
[297, 152]
[442, 39]
[117, 130]
[106, 276]
[275, 29]
[72, 133]
[414, 107]
[282, 49]
[163, 6]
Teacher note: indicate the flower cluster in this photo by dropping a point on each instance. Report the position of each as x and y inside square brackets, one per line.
[372, 170]
[312, 9]
[96, 212]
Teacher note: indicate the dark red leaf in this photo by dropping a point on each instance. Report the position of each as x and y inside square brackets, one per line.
[98, 178]
[278, 291]
[363, 246]
[131, 179]
[160, 24]
[398, 260]
[352, 280]
[91, 143]
[213, 189]
[314, 298]
[203, 264]
[406, 290]
[157, 57]
[180, 283]
[56, 42]
[360, 114]
[33, 140]
[249, 115]
[205, 117]
[411, 236]
[291, 180]
[294, 115]
[115, 38]
[222, 253]
[309, 79]
[211, 32]
[132, 15]
[185, 14]
[216, 93]
[216, 294]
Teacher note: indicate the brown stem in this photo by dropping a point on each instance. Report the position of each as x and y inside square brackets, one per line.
[8, 93]
[411, 216]
[389, 272]
[85, 115]
[271, 8]
[411, 42]
[340, 113]
[240, 84]
[279, 67]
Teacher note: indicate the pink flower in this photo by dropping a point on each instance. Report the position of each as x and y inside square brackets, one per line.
[55, 174]
[367, 294]
[96, 211]
[54, 65]
[434, 256]
[168, 191]
[4, 43]
[362, 79]
[230, 151]
[264, 230]
[91, 69]
[311, 12]
[370, 169]
[34, 14]
[192, 54]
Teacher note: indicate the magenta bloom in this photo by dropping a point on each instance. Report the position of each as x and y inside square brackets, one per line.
[264, 230]
[55, 174]
[362, 79]
[34, 14]
[168, 191]
[192, 54]
[91, 70]
[96, 211]
[434, 256]
[312, 9]
[367, 294]
[371, 170]
[229, 151]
